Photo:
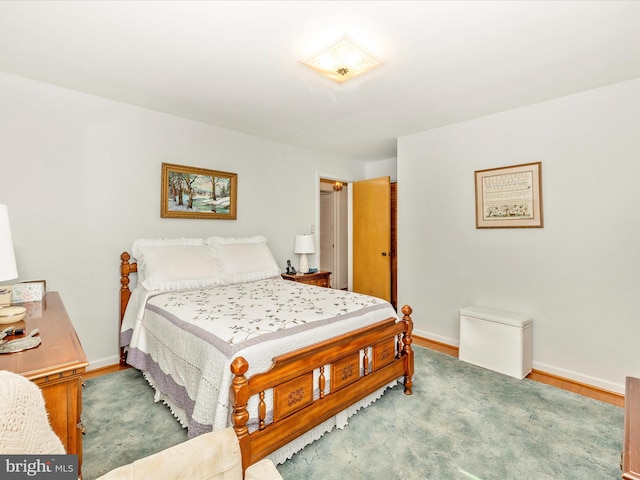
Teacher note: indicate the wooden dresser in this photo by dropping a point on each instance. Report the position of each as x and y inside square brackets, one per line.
[56, 366]
[321, 278]
[631, 448]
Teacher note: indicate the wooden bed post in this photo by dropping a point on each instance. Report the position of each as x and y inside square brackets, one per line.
[125, 293]
[240, 415]
[407, 351]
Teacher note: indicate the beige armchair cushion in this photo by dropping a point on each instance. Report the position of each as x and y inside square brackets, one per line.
[211, 456]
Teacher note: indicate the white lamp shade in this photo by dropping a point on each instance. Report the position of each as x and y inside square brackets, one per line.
[8, 270]
[304, 244]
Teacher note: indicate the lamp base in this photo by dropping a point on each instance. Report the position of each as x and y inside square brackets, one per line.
[5, 296]
[304, 264]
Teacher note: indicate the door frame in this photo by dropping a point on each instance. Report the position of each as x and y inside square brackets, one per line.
[333, 237]
[349, 230]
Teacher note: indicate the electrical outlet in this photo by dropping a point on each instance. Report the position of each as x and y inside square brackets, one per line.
[313, 229]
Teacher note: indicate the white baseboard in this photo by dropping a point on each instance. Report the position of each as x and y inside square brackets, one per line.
[104, 362]
[542, 367]
[579, 377]
[436, 338]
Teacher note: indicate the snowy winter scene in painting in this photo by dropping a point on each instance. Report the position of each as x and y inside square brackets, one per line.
[193, 192]
[199, 193]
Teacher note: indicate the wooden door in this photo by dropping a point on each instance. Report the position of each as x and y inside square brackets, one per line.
[372, 237]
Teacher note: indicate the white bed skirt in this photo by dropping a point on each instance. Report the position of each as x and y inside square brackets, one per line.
[284, 453]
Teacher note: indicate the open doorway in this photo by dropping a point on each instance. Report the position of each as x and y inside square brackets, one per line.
[334, 224]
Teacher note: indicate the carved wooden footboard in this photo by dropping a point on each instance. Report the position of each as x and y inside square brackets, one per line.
[359, 363]
[347, 369]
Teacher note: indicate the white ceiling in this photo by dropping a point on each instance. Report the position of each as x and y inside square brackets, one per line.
[236, 64]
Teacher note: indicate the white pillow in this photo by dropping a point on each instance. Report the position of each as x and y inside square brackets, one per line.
[173, 264]
[138, 254]
[244, 259]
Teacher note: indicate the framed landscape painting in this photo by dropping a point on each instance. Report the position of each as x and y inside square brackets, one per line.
[191, 192]
[509, 197]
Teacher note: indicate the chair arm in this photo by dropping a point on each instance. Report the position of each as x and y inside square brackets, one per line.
[262, 470]
[208, 456]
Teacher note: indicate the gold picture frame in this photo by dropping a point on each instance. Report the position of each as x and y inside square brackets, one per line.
[509, 197]
[191, 192]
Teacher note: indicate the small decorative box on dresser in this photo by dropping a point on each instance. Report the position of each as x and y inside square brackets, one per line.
[321, 278]
[631, 448]
[56, 366]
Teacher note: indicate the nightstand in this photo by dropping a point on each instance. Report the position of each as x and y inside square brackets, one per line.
[56, 366]
[320, 279]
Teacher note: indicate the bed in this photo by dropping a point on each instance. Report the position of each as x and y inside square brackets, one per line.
[224, 340]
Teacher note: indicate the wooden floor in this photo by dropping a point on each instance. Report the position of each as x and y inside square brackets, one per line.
[102, 371]
[542, 377]
[538, 376]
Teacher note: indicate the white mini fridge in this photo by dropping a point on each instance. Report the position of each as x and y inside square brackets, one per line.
[497, 340]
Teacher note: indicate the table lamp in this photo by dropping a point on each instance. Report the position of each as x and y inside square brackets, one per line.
[8, 269]
[304, 245]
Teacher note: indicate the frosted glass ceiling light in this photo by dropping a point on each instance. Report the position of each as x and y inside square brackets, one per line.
[342, 61]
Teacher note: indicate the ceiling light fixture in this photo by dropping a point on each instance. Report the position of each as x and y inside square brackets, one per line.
[342, 61]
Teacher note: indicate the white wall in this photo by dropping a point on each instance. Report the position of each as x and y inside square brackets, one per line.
[578, 276]
[382, 168]
[81, 178]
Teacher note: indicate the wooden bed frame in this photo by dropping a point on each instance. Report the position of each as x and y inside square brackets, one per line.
[359, 363]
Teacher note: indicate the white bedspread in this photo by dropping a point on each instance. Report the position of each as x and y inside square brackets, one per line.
[185, 341]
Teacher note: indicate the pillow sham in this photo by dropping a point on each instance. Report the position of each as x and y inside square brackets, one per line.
[244, 259]
[138, 253]
[173, 264]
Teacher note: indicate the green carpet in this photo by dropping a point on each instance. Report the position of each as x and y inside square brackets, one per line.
[462, 422]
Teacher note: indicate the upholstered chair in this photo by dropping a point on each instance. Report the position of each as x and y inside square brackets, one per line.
[211, 456]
